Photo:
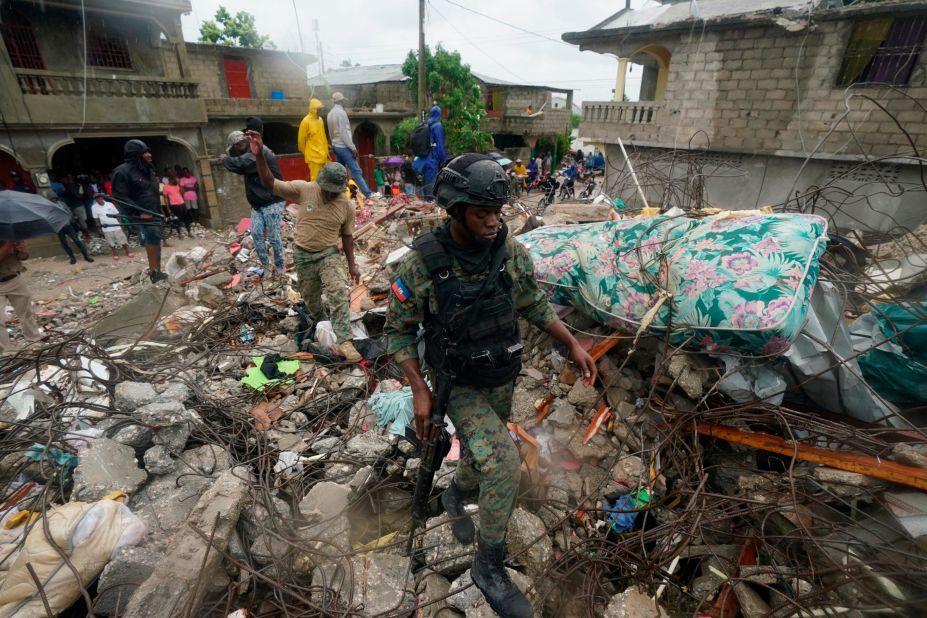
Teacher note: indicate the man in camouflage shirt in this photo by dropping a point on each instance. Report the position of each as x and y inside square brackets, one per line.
[481, 329]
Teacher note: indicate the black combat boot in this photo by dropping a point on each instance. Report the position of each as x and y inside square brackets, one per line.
[156, 276]
[500, 591]
[461, 523]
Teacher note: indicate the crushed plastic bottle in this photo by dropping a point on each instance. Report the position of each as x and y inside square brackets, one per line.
[246, 333]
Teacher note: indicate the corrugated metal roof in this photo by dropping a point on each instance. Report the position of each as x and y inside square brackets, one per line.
[355, 76]
[379, 73]
[706, 10]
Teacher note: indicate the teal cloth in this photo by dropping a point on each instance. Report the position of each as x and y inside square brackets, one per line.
[899, 376]
[394, 407]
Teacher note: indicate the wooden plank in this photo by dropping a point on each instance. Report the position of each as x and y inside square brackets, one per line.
[842, 460]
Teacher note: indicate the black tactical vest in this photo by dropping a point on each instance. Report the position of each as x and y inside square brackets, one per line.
[474, 335]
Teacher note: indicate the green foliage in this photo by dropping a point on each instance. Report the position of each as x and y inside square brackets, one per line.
[401, 134]
[558, 147]
[451, 86]
[575, 119]
[238, 31]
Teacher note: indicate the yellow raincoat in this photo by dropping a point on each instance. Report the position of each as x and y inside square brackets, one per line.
[312, 141]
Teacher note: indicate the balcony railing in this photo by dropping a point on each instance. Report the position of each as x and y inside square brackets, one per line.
[618, 112]
[69, 84]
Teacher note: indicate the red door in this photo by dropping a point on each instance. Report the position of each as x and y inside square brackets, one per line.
[236, 76]
[365, 141]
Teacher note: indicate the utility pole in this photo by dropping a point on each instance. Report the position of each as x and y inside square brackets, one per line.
[318, 46]
[421, 60]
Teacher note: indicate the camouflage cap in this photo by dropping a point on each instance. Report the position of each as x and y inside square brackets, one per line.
[235, 137]
[333, 177]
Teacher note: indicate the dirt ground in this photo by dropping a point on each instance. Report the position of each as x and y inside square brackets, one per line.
[54, 278]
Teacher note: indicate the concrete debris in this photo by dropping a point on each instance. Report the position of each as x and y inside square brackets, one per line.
[466, 597]
[158, 460]
[106, 466]
[379, 584]
[674, 473]
[194, 552]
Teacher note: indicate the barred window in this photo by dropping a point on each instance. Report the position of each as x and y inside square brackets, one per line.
[22, 44]
[883, 50]
[108, 51]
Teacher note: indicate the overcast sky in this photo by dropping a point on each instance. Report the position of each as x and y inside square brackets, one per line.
[369, 32]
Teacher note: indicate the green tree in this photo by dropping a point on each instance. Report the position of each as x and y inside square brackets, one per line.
[451, 86]
[575, 119]
[238, 31]
[401, 134]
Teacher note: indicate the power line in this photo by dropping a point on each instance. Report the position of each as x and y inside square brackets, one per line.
[477, 47]
[504, 23]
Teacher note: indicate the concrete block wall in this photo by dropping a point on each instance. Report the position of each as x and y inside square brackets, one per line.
[269, 71]
[768, 90]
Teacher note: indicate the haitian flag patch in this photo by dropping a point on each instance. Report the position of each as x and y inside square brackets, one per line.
[401, 291]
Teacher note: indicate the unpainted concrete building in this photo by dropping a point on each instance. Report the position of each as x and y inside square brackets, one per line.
[378, 98]
[77, 79]
[770, 99]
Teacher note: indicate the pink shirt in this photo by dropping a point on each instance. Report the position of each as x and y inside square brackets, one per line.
[189, 191]
[174, 198]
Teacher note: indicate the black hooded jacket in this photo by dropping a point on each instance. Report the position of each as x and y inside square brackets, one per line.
[135, 184]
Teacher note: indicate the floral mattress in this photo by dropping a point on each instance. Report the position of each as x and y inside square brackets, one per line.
[727, 282]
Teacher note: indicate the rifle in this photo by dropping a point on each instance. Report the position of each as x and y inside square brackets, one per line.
[432, 450]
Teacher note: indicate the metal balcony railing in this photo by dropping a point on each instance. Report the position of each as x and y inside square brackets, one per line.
[69, 84]
[618, 112]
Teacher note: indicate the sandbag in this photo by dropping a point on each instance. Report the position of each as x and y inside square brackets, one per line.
[88, 533]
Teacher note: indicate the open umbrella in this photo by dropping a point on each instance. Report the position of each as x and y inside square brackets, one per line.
[503, 161]
[392, 161]
[25, 215]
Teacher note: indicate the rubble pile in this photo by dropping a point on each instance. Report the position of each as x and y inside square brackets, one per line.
[660, 490]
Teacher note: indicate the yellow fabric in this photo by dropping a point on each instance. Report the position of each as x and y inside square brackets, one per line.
[315, 168]
[520, 170]
[312, 141]
[104, 526]
[319, 224]
[868, 35]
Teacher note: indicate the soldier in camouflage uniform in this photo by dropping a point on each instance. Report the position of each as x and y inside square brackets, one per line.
[477, 342]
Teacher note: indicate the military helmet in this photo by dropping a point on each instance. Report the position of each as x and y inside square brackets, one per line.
[473, 179]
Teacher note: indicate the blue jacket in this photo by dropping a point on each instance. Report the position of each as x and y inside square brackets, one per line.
[438, 154]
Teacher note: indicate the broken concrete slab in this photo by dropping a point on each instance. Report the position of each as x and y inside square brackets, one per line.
[165, 414]
[173, 438]
[136, 436]
[158, 460]
[527, 541]
[633, 604]
[174, 586]
[444, 554]
[131, 395]
[122, 576]
[582, 396]
[105, 466]
[378, 583]
[369, 446]
[466, 597]
[324, 500]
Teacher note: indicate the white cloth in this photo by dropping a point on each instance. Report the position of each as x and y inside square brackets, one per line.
[339, 128]
[106, 212]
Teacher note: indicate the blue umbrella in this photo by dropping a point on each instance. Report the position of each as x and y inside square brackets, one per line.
[26, 215]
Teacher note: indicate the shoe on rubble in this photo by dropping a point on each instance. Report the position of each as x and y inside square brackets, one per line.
[156, 276]
[349, 352]
[87, 258]
[490, 576]
[462, 526]
[73, 260]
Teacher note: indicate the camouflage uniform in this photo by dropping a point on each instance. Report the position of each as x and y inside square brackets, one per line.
[326, 272]
[489, 459]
